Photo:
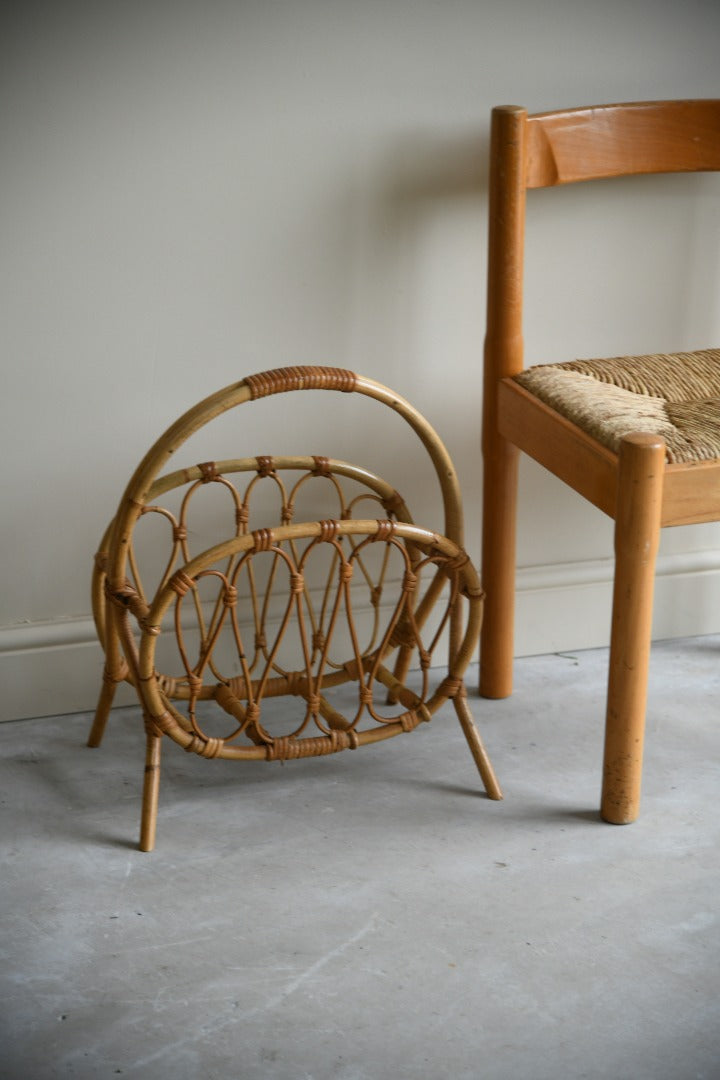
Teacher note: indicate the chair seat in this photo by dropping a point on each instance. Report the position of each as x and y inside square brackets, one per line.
[674, 395]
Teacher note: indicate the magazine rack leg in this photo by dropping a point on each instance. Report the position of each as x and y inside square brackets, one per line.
[151, 788]
[114, 672]
[477, 749]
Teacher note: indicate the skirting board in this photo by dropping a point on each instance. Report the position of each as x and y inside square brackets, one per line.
[568, 607]
[48, 669]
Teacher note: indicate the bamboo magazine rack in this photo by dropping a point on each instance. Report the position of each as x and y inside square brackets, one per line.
[251, 648]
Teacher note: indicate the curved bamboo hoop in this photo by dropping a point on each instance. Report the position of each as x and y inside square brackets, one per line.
[167, 720]
[169, 481]
[252, 388]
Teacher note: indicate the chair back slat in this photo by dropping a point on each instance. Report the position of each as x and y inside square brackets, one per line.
[622, 140]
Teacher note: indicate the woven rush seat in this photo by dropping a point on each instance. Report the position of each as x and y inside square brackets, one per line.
[673, 395]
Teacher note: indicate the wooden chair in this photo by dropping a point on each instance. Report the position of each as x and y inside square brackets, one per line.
[638, 436]
[251, 648]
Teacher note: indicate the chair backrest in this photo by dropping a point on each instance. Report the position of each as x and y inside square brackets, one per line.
[622, 140]
[554, 148]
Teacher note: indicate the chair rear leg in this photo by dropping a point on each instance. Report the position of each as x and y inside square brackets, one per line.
[498, 568]
[637, 532]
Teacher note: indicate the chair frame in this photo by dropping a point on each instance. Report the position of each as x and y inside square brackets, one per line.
[636, 486]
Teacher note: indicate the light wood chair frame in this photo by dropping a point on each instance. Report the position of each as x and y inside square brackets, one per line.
[130, 622]
[636, 486]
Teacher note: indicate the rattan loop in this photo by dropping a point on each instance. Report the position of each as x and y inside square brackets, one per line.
[265, 466]
[180, 583]
[409, 582]
[409, 720]
[120, 597]
[262, 540]
[208, 471]
[117, 675]
[322, 466]
[456, 562]
[297, 583]
[329, 530]
[207, 748]
[385, 530]
[289, 749]
[167, 685]
[451, 686]
[151, 728]
[163, 722]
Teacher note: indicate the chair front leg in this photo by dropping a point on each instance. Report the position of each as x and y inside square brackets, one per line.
[637, 533]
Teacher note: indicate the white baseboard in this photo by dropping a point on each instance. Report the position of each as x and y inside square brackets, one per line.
[568, 606]
[52, 668]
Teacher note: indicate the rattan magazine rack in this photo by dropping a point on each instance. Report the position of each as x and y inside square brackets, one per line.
[283, 639]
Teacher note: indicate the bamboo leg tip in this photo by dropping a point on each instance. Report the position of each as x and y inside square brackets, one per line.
[97, 731]
[490, 783]
[147, 836]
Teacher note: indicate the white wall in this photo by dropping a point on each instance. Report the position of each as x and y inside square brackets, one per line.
[193, 191]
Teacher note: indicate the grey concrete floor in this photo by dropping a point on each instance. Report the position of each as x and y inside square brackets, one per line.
[371, 915]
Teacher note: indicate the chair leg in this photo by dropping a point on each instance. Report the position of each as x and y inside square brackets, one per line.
[498, 568]
[475, 743]
[151, 788]
[637, 532]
